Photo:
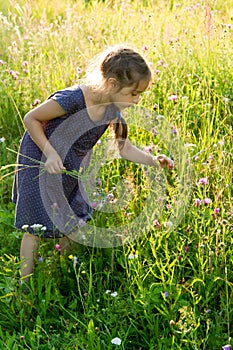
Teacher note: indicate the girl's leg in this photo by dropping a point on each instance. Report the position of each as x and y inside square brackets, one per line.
[28, 252]
[65, 245]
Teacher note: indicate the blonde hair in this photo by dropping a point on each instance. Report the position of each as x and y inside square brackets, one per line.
[127, 67]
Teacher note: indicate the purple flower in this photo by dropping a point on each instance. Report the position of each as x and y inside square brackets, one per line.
[166, 294]
[57, 246]
[226, 347]
[40, 259]
[173, 130]
[203, 181]
[82, 222]
[206, 201]
[216, 210]
[197, 202]
[186, 248]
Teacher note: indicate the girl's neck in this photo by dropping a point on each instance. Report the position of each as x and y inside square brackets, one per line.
[93, 97]
[95, 103]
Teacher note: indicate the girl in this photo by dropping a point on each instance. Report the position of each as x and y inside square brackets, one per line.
[115, 80]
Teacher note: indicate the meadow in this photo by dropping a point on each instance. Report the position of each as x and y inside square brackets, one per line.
[172, 286]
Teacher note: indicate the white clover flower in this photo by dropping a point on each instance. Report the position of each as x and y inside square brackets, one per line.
[132, 256]
[116, 341]
[36, 226]
[114, 294]
[2, 139]
[108, 291]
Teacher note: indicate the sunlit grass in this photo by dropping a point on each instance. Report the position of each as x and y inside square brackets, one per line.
[174, 287]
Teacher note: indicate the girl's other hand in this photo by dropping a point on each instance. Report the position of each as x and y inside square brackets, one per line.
[165, 162]
[54, 164]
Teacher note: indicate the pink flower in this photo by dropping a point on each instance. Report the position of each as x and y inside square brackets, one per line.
[203, 181]
[57, 246]
[173, 97]
[156, 224]
[155, 106]
[206, 201]
[216, 210]
[197, 202]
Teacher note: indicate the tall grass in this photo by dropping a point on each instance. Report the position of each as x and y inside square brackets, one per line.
[174, 287]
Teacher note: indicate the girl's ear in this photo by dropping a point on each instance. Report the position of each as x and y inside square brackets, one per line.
[113, 84]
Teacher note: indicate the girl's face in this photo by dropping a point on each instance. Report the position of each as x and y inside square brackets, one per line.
[129, 95]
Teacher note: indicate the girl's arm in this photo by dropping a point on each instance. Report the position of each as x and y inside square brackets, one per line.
[135, 155]
[33, 120]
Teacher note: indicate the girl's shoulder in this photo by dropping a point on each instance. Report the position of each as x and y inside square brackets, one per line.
[71, 99]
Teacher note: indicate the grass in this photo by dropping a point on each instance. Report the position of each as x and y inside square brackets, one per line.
[174, 286]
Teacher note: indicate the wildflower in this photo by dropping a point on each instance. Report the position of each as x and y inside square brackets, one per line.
[2, 62]
[179, 257]
[156, 106]
[78, 70]
[75, 260]
[156, 224]
[168, 224]
[40, 259]
[70, 256]
[24, 63]
[36, 226]
[132, 256]
[154, 132]
[108, 291]
[206, 201]
[217, 211]
[116, 341]
[24, 227]
[208, 311]
[54, 205]
[145, 48]
[172, 322]
[57, 247]
[2, 139]
[82, 222]
[173, 130]
[114, 294]
[226, 100]
[166, 294]
[203, 181]
[186, 248]
[226, 347]
[173, 97]
[197, 202]
[148, 149]
[99, 182]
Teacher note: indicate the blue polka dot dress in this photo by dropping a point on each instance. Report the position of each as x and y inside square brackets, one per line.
[40, 196]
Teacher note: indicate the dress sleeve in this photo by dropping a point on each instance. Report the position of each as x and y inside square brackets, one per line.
[70, 99]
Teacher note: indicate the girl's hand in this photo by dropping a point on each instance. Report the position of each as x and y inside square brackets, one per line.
[54, 163]
[165, 162]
